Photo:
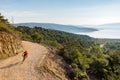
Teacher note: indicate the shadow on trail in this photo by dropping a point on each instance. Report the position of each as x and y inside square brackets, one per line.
[10, 65]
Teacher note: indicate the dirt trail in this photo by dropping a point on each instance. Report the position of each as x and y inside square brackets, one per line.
[12, 69]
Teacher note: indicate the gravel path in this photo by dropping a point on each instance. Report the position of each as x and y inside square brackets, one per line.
[12, 69]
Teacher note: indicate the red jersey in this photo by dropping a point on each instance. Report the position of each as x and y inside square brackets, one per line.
[25, 53]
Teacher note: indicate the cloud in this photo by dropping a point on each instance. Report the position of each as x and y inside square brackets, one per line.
[27, 14]
[24, 16]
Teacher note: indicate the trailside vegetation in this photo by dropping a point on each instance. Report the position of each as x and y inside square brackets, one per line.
[5, 26]
[86, 59]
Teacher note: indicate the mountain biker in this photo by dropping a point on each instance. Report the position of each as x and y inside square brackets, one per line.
[25, 54]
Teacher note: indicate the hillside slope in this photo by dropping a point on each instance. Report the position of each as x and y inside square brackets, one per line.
[10, 45]
[12, 69]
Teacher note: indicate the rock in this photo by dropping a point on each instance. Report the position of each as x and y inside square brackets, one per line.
[10, 45]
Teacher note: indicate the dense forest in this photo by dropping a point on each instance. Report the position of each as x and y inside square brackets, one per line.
[86, 58]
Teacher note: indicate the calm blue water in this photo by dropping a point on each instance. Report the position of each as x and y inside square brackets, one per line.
[107, 33]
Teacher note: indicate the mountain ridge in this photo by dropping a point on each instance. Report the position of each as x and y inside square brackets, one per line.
[59, 27]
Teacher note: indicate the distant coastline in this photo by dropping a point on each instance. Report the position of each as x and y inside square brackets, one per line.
[105, 33]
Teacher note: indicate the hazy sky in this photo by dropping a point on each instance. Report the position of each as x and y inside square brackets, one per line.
[76, 12]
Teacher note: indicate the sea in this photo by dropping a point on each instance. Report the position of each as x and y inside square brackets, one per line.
[104, 33]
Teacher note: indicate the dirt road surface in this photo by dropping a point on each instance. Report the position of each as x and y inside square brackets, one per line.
[13, 69]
